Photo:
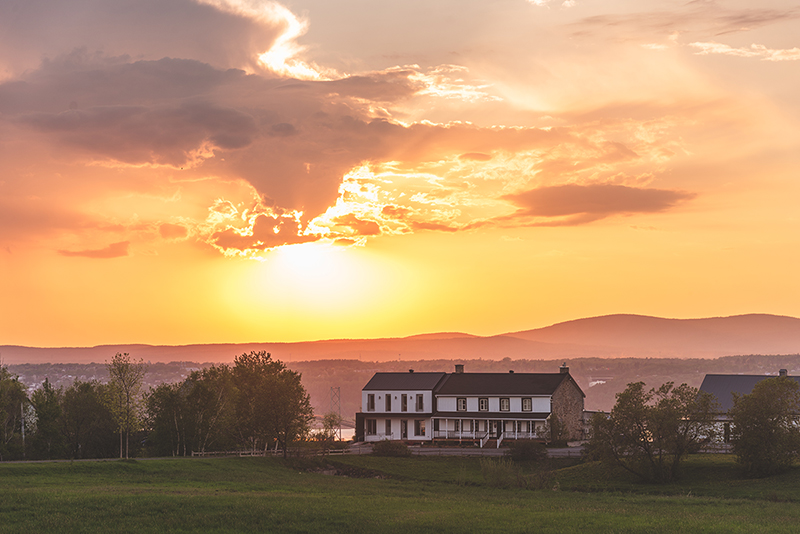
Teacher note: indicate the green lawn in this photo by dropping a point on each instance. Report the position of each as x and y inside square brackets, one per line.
[415, 494]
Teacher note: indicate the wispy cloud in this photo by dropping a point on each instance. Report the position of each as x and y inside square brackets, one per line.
[114, 250]
[572, 204]
[755, 50]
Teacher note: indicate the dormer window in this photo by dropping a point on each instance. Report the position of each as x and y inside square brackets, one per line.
[505, 404]
[461, 404]
[483, 404]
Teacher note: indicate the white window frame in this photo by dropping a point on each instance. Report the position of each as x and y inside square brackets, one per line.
[505, 404]
[527, 404]
[483, 404]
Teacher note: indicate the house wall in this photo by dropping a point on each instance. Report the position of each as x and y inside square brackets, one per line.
[568, 407]
[380, 401]
[450, 404]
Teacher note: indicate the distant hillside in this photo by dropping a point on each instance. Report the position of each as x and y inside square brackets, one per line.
[610, 336]
[638, 335]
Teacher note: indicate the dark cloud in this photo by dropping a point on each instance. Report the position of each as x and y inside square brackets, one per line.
[292, 142]
[172, 231]
[114, 250]
[152, 29]
[137, 134]
[267, 232]
[581, 204]
[358, 226]
[21, 218]
[702, 17]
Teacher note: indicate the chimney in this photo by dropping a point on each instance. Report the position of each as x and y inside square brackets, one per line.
[410, 370]
[511, 371]
[459, 368]
[564, 369]
[783, 372]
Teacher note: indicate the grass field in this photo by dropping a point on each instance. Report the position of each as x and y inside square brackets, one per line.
[417, 494]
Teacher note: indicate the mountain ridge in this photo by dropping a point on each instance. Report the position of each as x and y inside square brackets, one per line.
[605, 336]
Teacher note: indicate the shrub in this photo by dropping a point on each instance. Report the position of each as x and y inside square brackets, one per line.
[524, 450]
[500, 472]
[390, 448]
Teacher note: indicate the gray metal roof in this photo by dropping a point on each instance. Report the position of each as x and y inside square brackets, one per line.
[724, 386]
[404, 381]
[500, 383]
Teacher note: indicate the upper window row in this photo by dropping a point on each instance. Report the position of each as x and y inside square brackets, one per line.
[419, 405]
[505, 404]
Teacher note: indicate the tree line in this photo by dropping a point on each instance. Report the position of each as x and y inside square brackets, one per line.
[254, 404]
[650, 432]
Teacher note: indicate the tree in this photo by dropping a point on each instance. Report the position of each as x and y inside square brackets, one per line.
[88, 423]
[48, 439]
[649, 433]
[765, 433]
[211, 397]
[271, 404]
[293, 411]
[12, 404]
[125, 396]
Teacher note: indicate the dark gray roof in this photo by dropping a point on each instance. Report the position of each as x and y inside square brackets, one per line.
[724, 386]
[400, 381]
[500, 383]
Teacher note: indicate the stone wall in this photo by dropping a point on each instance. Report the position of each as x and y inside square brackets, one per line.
[568, 407]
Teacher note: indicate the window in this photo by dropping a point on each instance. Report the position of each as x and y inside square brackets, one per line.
[388, 403]
[483, 405]
[372, 427]
[505, 405]
[519, 426]
[527, 405]
[388, 429]
[370, 402]
[420, 402]
[461, 405]
[419, 427]
[404, 402]
[456, 425]
[404, 428]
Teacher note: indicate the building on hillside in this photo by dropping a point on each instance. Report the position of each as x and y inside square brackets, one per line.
[424, 407]
[722, 387]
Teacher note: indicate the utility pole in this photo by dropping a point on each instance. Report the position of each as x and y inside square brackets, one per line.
[336, 407]
[22, 419]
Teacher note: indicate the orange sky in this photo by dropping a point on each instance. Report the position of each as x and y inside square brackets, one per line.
[181, 171]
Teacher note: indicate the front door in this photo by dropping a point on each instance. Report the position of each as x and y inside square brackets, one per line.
[404, 429]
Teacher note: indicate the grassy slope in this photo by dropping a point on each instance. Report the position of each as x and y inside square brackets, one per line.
[446, 494]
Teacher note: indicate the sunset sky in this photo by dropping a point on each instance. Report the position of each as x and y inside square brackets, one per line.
[200, 171]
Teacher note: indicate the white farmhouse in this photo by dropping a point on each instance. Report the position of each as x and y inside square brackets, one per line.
[424, 407]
